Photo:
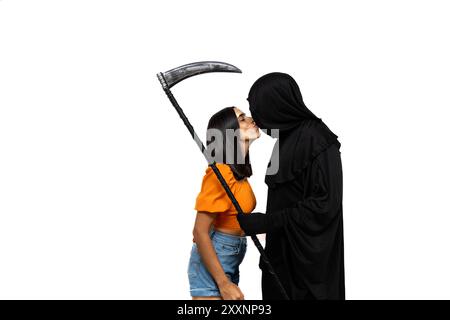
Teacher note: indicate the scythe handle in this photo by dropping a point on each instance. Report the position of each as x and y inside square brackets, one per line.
[212, 164]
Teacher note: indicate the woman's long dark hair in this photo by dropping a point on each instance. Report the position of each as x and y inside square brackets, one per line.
[221, 121]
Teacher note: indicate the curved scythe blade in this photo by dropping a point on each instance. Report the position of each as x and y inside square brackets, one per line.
[170, 78]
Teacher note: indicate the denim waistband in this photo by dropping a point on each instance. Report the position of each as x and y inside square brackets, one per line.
[227, 238]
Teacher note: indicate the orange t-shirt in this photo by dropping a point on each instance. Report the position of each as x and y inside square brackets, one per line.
[213, 198]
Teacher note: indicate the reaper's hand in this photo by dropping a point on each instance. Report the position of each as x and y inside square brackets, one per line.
[253, 223]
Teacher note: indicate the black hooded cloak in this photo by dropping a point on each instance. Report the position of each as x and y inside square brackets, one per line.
[303, 221]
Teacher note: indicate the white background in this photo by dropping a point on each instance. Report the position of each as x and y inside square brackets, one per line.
[98, 175]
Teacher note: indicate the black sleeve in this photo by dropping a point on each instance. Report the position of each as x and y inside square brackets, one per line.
[315, 211]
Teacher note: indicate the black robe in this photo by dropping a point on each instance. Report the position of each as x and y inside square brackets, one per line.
[306, 246]
[303, 221]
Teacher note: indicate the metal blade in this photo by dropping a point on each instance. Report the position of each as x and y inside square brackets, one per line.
[170, 78]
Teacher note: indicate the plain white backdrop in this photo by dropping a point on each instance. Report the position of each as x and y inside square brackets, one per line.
[98, 175]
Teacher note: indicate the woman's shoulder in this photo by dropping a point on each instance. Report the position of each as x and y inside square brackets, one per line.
[211, 178]
[212, 197]
[224, 169]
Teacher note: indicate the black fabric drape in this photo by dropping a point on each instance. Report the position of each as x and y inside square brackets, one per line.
[304, 219]
[276, 103]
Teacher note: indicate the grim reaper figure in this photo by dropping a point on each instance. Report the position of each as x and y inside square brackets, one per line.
[303, 220]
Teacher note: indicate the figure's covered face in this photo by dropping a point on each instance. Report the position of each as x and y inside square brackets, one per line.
[276, 102]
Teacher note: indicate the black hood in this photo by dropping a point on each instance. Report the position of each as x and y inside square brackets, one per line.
[276, 103]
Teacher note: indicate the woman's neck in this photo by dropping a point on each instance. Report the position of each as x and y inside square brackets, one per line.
[245, 145]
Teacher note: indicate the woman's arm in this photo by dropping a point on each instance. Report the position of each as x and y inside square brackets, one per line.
[203, 223]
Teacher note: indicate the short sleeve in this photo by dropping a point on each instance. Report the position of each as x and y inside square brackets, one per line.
[212, 197]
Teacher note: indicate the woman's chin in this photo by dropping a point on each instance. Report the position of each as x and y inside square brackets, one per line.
[257, 133]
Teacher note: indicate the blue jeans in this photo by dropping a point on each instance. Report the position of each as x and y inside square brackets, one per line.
[230, 251]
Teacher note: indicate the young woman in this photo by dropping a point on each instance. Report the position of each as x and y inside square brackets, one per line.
[219, 243]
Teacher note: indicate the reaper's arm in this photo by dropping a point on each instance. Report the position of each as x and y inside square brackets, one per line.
[314, 212]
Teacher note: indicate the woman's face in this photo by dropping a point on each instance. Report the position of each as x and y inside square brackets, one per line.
[248, 128]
